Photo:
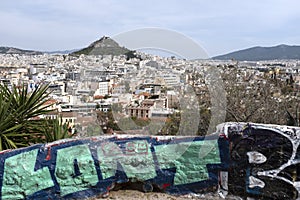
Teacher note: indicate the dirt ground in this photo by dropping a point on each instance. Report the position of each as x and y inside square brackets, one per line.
[137, 195]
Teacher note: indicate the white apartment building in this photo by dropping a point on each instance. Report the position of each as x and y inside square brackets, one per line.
[171, 79]
[103, 88]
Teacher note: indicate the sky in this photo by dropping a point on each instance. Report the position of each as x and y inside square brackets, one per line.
[218, 26]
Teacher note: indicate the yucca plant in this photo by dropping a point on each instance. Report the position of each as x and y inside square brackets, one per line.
[29, 104]
[54, 130]
[10, 137]
[18, 111]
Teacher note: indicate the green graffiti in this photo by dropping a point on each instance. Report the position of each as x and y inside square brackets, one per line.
[137, 160]
[75, 169]
[187, 158]
[20, 179]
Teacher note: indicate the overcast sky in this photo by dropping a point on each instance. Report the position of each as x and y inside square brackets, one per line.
[218, 26]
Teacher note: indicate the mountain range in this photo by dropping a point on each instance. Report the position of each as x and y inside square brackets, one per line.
[12, 50]
[107, 46]
[280, 52]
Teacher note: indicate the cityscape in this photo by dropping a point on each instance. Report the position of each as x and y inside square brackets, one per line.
[85, 88]
[149, 100]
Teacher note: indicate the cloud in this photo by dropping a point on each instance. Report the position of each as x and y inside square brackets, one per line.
[220, 25]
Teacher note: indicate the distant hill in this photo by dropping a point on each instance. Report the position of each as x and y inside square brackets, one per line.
[61, 52]
[12, 50]
[104, 46]
[263, 53]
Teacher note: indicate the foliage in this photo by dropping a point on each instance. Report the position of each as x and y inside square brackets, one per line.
[9, 136]
[130, 54]
[255, 100]
[53, 130]
[286, 90]
[250, 97]
[106, 121]
[204, 122]
[293, 120]
[18, 109]
[172, 125]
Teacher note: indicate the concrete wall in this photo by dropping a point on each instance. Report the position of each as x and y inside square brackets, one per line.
[87, 167]
[243, 159]
[264, 160]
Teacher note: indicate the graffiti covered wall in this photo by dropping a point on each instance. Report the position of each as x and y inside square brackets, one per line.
[243, 159]
[265, 160]
[86, 167]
